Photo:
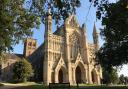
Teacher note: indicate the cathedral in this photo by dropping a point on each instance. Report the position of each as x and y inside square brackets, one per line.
[65, 56]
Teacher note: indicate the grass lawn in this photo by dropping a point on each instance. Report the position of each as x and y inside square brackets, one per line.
[83, 87]
[101, 87]
[32, 85]
[39, 86]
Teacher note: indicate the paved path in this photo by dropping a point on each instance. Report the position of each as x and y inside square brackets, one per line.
[14, 86]
[7, 87]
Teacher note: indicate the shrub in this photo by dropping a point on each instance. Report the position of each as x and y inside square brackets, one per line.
[22, 71]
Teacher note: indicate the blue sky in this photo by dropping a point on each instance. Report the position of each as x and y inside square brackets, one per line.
[82, 17]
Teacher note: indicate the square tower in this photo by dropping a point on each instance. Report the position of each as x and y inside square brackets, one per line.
[30, 46]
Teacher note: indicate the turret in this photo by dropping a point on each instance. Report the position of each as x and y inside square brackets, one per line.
[47, 56]
[95, 37]
[84, 28]
[48, 23]
[84, 34]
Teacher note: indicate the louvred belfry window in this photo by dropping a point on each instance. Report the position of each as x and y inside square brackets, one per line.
[30, 44]
[34, 44]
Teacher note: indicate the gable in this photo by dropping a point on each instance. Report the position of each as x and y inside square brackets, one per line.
[72, 21]
[59, 63]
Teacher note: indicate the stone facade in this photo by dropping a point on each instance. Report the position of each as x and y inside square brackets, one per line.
[30, 46]
[66, 55]
[6, 66]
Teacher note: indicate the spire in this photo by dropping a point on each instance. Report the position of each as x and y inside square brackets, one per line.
[49, 11]
[84, 27]
[49, 8]
[94, 30]
[95, 36]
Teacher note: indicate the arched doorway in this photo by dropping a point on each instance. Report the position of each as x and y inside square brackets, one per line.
[94, 77]
[60, 76]
[78, 75]
[52, 77]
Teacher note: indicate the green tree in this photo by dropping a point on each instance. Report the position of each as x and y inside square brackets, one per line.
[22, 71]
[16, 20]
[110, 77]
[60, 9]
[126, 80]
[17, 17]
[122, 79]
[114, 16]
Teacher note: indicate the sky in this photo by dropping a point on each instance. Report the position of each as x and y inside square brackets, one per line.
[84, 15]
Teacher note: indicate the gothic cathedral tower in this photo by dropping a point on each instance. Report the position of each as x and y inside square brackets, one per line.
[30, 46]
[47, 59]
